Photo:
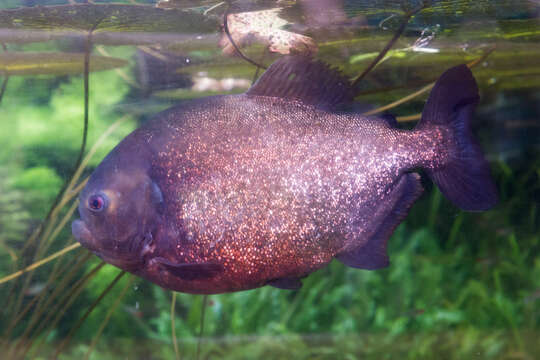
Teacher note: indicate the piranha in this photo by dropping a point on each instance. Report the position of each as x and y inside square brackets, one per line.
[234, 192]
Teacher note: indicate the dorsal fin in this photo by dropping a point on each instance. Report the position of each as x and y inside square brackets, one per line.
[305, 79]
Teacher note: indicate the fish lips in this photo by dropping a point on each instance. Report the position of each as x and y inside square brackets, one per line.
[83, 235]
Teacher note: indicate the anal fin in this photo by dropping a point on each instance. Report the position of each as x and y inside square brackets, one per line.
[387, 216]
[190, 271]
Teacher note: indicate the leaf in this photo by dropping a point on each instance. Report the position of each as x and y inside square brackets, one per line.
[265, 26]
[43, 63]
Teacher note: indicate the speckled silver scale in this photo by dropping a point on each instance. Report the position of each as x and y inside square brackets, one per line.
[279, 188]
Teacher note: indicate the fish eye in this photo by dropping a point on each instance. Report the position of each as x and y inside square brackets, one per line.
[97, 202]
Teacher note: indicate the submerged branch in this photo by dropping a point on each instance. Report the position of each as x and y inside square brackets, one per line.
[173, 327]
[423, 90]
[256, 74]
[213, 8]
[409, 118]
[6, 77]
[201, 329]
[400, 101]
[87, 51]
[3, 87]
[236, 48]
[388, 46]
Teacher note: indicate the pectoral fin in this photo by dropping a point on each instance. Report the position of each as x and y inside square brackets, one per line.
[193, 271]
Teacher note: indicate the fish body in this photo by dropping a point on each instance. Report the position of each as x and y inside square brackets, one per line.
[235, 192]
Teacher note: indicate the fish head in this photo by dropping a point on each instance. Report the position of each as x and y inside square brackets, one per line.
[120, 209]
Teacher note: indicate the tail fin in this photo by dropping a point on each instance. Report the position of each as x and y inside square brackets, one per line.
[465, 179]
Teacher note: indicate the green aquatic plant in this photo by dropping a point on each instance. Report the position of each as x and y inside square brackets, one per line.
[13, 217]
[48, 232]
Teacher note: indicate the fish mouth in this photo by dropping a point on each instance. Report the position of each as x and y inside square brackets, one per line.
[83, 235]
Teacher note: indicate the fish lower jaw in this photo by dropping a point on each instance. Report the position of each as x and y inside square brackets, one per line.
[83, 235]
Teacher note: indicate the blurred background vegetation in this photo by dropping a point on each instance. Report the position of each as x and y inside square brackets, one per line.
[460, 285]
